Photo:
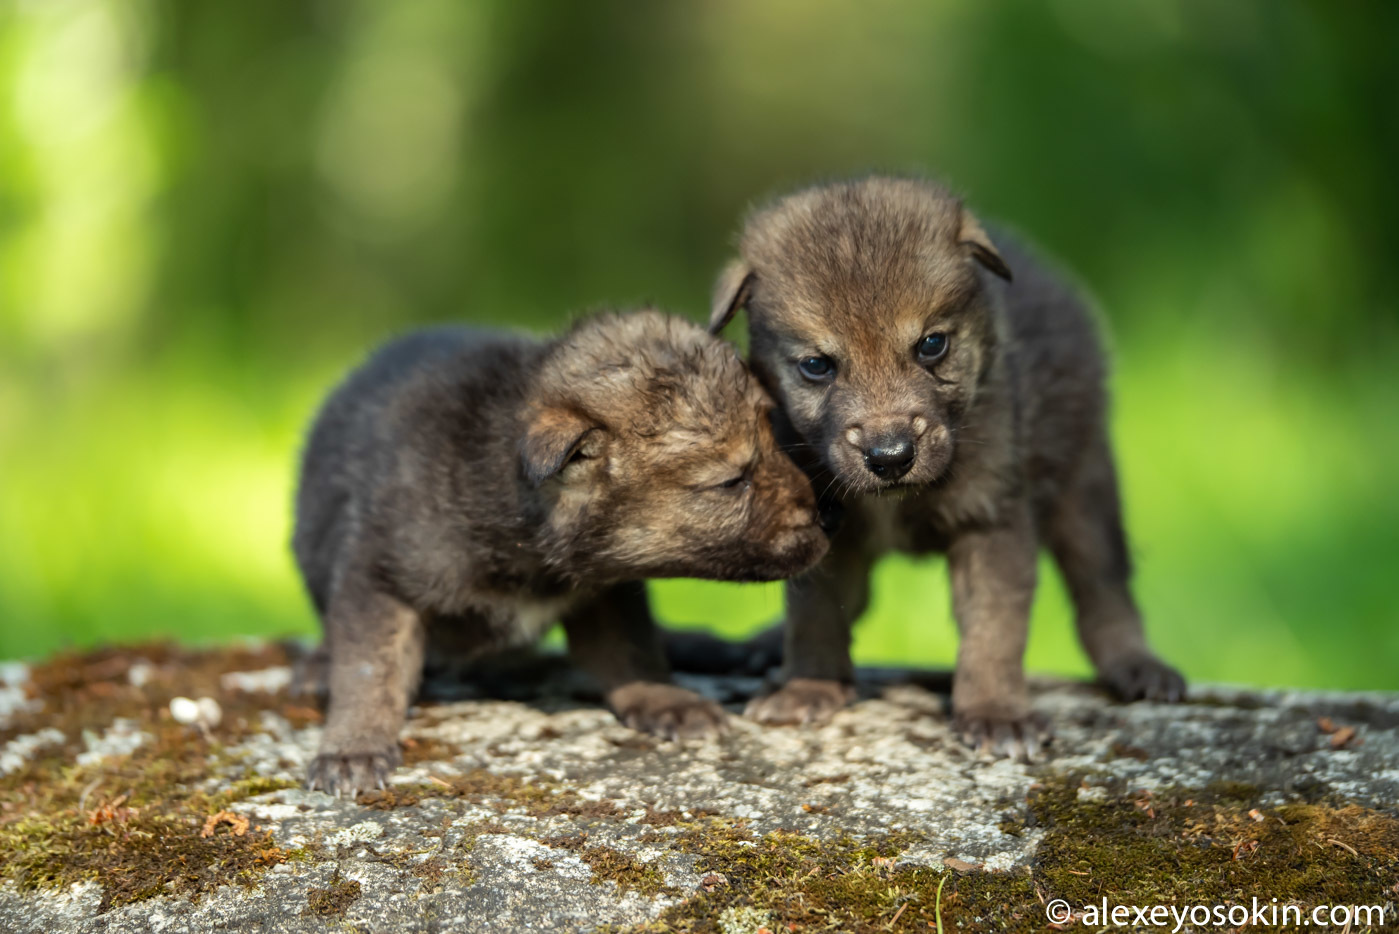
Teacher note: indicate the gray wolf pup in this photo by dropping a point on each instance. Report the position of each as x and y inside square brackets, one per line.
[463, 490]
[948, 409]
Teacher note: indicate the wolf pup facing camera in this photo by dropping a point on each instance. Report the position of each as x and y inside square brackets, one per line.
[950, 408]
[468, 489]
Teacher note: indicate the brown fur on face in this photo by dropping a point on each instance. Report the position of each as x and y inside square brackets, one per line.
[997, 440]
[673, 469]
[859, 275]
[463, 490]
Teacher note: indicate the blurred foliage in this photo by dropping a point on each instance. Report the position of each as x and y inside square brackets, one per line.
[208, 211]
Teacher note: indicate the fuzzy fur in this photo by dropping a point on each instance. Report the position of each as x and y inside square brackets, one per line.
[1002, 441]
[463, 490]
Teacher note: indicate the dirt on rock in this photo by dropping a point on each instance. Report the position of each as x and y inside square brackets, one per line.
[544, 813]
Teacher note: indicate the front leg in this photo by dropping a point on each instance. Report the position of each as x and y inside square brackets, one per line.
[376, 659]
[993, 586]
[614, 639]
[822, 606]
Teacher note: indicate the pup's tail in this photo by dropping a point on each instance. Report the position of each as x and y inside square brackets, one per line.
[693, 651]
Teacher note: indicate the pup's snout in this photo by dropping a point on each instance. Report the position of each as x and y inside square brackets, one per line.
[891, 457]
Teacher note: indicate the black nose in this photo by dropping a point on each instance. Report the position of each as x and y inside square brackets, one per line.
[890, 460]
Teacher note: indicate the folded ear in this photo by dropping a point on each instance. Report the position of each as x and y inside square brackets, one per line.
[979, 245]
[732, 290]
[554, 437]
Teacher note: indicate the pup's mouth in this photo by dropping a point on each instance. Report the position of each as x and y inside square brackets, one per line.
[866, 484]
[852, 476]
[873, 486]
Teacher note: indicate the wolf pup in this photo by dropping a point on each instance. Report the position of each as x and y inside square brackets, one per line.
[468, 489]
[949, 410]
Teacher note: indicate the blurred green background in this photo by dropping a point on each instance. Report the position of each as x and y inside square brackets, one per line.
[208, 211]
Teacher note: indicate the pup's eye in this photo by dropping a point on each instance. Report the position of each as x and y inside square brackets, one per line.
[931, 348]
[817, 369]
[735, 483]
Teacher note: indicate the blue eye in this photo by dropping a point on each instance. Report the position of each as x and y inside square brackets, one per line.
[817, 369]
[931, 348]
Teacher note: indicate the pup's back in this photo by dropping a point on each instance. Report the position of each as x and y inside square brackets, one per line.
[348, 453]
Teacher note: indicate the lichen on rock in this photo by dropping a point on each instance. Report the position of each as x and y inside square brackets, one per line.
[545, 812]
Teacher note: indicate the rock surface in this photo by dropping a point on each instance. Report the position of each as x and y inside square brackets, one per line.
[545, 814]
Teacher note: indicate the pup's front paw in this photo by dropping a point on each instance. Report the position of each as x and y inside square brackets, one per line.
[347, 774]
[803, 701]
[1143, 677]
[1021, 736]
[667, 711]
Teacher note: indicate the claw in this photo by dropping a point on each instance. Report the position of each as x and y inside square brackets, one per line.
[670, 713]
[802, 701]
[1015, 737]
[1143, 676]
[345, 776]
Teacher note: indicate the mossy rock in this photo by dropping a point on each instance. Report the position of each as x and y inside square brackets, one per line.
[519, 815]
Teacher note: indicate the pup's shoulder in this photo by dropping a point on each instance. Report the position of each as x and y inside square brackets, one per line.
[432, 375]
[421, 399]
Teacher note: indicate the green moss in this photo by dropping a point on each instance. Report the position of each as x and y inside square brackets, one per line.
[88, 691]
[419, 750]
[843, 884]
[629, 873]
[334, 900]
[611, 865]
[136, 823]
[1210, 846]
[1232, 792]
[478, 828]
[136, 848]
[502, 792]
[432, 871]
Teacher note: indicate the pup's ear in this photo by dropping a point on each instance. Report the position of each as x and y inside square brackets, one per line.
[555, 436]
[975, 240]
[732, 290]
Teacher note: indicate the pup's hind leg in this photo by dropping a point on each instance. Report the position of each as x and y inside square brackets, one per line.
[615, 639]
[1084, 531]
[376, 659]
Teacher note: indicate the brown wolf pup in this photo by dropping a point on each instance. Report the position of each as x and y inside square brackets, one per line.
[467, 489]
[950, 410]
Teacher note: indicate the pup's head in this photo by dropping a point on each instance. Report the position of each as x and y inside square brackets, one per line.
[872, 320]
[652, 450]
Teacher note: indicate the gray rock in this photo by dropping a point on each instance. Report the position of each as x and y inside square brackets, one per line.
[501, 861]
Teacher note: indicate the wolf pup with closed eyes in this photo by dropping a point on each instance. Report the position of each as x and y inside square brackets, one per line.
[465, 489]
[949, 408]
